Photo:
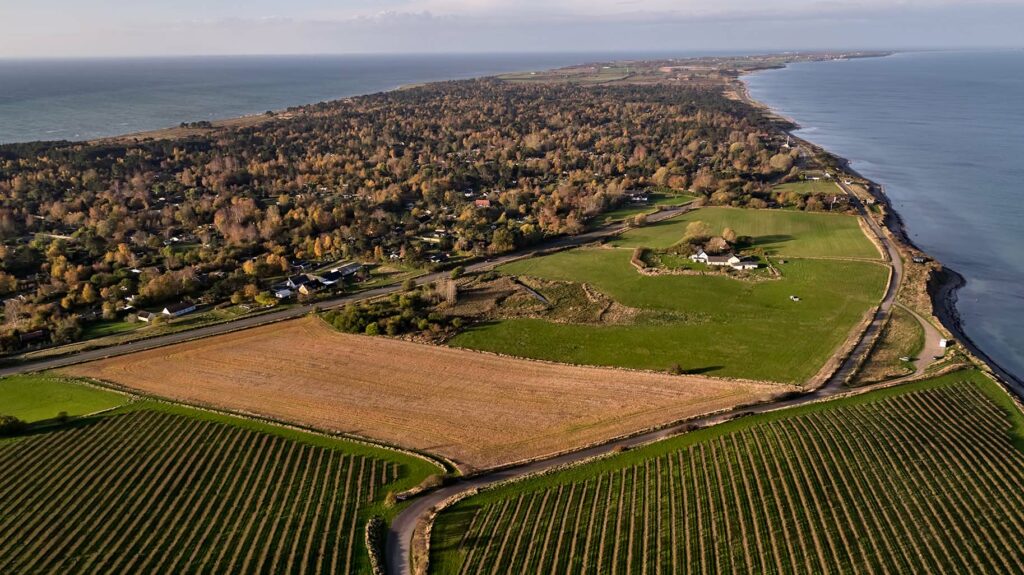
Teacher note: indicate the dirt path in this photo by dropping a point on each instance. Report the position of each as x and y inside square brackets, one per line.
[932, 342]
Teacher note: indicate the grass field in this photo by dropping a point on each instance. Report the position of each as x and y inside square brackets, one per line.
[805, 187]
[480, 410]
[155, 488]
[921, 478]
[657, 199]
[33, 398]
[778, 232]
[719, 326]
[901, 337]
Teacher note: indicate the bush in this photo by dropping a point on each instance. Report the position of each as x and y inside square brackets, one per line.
[458, 272]
[676, 369]
[372, 329]
[409, 284]
[10, 425]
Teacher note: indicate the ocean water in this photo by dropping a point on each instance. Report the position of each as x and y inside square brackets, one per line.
[944, 133]
[84, 99]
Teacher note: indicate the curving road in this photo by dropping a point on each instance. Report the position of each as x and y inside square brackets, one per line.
[299, 311]
[398, 549]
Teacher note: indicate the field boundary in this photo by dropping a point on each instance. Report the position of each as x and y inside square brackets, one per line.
[442, 463]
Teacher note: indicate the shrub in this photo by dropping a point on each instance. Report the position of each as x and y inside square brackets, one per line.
[10, 425]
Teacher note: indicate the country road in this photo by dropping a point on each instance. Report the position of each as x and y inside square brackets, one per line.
[299, 311]
[400, 534]
[398, 549]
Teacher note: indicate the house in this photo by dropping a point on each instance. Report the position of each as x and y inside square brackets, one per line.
[731, 260]
[705, 258]
[331, 278]
[33, 336]
[310, 288]
[145, 316]
[944, 343]
[179, 309]
[297, 281]
[349, 269]
[282, 292]
[738, 263]
[482, 203]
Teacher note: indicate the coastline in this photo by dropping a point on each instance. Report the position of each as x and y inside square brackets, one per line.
[942, 287]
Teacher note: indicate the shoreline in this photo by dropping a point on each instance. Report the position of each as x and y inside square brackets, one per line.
[943, 286]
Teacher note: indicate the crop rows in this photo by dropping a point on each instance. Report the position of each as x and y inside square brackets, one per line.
[155, 492]
[925, 482]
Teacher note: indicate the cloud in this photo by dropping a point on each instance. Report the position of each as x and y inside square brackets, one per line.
[530, 25]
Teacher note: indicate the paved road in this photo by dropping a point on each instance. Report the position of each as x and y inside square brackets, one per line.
[400, 535]
[299, 311]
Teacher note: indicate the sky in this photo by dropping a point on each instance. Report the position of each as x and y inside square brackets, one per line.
[84, 28]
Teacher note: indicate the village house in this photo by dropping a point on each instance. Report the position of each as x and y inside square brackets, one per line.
[179, 309]
[725, 260]
[145, 316]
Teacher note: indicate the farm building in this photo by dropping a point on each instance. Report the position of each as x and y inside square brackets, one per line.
[730, 260]
[179, 309]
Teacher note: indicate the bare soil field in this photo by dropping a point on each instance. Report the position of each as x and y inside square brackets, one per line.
[477, 409]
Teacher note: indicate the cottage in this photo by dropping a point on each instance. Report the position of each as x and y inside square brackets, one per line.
[145, 316]
[31, 337]
[705, 258]
[297, 281]
[331, 278]
[349, 269]
[731, 260]
[738, 263]
[179, 309]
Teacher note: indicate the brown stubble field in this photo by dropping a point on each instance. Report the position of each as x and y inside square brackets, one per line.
[477, 409]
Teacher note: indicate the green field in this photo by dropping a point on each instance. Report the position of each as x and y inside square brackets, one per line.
[805, 187]
[920, 478]
[37, 397]
[657, 200]
[712, 324]
[156, 488]
[778, 232]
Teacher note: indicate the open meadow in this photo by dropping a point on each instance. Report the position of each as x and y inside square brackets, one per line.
[712, 324]
[480, 410]
[921, 478]
[33, 398]
[153, 488]
[777, 232]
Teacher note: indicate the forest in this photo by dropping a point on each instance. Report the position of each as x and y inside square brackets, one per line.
[452, 170]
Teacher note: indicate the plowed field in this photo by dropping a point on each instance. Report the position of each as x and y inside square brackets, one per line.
[477, 409]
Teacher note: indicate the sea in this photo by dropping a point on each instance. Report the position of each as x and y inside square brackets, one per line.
[943, 132]
[81, 99]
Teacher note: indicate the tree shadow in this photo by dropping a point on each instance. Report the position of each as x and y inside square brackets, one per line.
[702, 370]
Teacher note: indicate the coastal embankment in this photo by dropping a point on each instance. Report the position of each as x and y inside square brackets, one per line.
[943, 284]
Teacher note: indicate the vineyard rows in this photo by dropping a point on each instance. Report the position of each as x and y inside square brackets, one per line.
[148, 492]
[921, 482]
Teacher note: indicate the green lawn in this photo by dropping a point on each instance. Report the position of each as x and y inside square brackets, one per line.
[722, 326]
[714, 324]
[107, 327]
[805, 187]
[778, 232]
[37, 397]
[861, 484]
[657, 199]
